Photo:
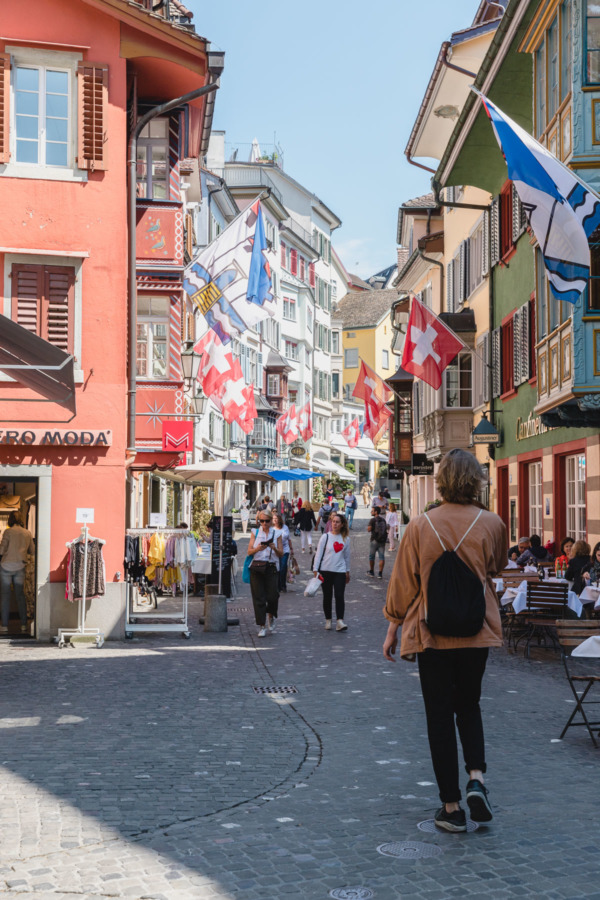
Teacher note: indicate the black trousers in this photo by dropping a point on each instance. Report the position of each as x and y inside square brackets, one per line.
[333, 583]
[451, 686]
[264, 586]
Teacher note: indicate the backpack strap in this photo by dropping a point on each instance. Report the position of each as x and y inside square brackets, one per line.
[464, 535]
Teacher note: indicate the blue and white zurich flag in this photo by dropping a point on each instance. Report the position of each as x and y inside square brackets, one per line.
[561, 209]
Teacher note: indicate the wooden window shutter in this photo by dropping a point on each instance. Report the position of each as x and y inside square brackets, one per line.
[517, 216]
[311, 274]
[4, 107]
[450, 286]
[282, 258]
[532, 339]
[495, 232]
[496, 362]
[59, 294]
[302, 270]
[508, 380]
[485, 245]
[92, 109]
[517, 362]
[524, 349]
[462, 272]
[485, 354]
[27, 292]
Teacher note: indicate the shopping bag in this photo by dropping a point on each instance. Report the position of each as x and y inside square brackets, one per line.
[293, 567]
[313, 586]
[246, 570]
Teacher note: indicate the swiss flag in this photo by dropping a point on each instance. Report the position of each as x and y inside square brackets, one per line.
[216, 365]
[305, 422]
[376, 420]
[287, 425]
[430, 346]
[246, 422]
[352, 433]
[370, 387]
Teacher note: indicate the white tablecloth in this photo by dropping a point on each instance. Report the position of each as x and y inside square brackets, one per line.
[590, 595]
[520, 602]
[510, 593]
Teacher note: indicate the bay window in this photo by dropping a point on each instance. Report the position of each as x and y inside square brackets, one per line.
[458, 383]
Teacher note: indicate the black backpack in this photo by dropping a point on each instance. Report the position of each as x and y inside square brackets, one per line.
[380, 530]
[455, 595]
[325, 513]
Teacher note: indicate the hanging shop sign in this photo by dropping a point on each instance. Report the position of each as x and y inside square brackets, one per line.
[52, 437]
[421, 465]
[297, 451]
[177, 436]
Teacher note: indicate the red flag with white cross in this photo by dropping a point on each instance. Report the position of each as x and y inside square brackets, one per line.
[287, 425]
[429, 346]
[352, 433]
[305, 422]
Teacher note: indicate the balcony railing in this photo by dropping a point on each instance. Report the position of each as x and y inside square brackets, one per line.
[301, 232]
[250, 175]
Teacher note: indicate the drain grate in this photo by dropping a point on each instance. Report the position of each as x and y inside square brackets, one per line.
[238, 609]
[409, 849]
[275, 689]
[430, 827]
[352, 893]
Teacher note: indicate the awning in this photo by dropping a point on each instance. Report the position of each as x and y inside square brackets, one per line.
[292, 474]
[149, 459]
[37, 364]
[326, 465]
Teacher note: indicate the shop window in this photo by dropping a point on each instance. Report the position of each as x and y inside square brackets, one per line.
[152, 336]
[43, 300]
[153, 161]
[535, 498]
[458, 381]
[575, 484]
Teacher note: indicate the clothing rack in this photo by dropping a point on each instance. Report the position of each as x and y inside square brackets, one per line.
[81, 628]
[146, 621]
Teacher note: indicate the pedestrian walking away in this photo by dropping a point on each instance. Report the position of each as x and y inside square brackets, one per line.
[350, 504]
[451, 666]
[266, 548]
[332, 562]
[16, 544]
[282, 531]
[324, 514]
[306, 523]
[378, 530]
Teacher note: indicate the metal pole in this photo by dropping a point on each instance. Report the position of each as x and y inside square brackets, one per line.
[132, 292]
[221, 535]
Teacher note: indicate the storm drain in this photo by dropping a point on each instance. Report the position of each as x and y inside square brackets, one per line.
[430, 827]
[238, 609]
[352, 893]
[276, 689]
[409, 850]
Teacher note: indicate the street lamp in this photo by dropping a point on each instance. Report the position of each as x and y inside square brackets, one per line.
[198, 403]
[190, 363]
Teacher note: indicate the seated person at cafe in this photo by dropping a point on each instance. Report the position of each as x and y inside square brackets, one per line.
[592, 575]
[564, 557]
[580, 562]
[520, 547]
[534, 554]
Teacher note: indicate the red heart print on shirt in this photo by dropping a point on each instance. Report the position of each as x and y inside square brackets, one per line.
[338, 547]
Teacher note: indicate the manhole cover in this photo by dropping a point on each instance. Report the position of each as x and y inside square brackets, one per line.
[409, 849]
[430, 827]
[275, 689]
[352, 893]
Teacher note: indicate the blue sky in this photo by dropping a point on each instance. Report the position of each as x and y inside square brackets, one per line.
[339, 82]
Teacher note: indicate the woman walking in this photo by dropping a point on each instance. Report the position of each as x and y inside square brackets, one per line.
[366, 494]
[332, 562]
[282, 530]
[267, 549]
[450, 668]
[306, 524]
[391, 518]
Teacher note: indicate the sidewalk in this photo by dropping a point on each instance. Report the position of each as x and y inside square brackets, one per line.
[152, 769]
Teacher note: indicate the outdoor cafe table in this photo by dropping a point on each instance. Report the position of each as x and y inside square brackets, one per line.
[591, 595]
[518, 597]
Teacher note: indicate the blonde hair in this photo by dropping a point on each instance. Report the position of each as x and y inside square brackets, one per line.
[460, 477]
[266, 513]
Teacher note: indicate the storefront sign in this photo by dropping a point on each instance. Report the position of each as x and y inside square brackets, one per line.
[177, 436]
[395, 473]
[297, 451]
[530, 428]
[421, 465]
[56, 437]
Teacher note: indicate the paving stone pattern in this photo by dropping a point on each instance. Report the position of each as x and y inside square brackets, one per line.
[152, 769]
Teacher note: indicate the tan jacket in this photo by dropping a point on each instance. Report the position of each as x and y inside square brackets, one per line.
[16, 544]
[485, 550]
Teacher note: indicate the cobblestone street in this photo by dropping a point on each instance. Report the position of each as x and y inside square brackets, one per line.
[153, 769]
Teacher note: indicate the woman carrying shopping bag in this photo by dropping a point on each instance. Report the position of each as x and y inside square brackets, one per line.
[332, 562]
[266, 549]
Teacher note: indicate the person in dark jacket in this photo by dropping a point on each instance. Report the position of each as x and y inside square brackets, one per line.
[581, 561]
[535, 554]
[306, 522]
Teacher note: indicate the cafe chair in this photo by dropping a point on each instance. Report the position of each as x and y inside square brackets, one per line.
[571, 633]
[513, 626]
[545, 603]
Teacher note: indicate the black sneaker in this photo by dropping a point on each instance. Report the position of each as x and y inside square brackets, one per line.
[453, 821]
[380, 575]
[478, 803]
[372, 574]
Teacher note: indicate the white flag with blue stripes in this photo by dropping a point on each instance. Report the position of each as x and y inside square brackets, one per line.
[561, 209]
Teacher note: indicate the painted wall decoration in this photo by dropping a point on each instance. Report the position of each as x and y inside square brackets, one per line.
[159, 234]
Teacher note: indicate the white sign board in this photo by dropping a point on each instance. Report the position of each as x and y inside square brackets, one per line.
[158, 519]
[85, 517]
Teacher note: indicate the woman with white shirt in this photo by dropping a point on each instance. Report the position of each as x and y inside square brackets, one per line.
[266, 548]
[391, 518]
[332, 563]
[282, 529]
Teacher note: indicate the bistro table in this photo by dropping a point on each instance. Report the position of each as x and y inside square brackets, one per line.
[589, 595]
[519, 603]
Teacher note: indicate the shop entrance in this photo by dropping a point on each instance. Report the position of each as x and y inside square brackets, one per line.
[19, 498]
